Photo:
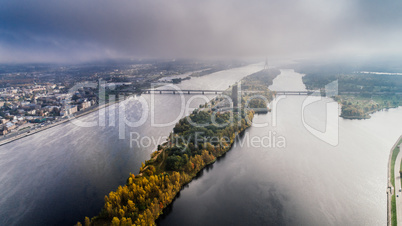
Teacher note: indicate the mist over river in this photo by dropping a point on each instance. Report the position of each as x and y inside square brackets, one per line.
[61, 175]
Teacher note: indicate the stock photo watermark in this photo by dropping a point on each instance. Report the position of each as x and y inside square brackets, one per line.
[271, 140]
[116, 105]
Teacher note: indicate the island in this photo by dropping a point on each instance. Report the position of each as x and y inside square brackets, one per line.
[196, 141]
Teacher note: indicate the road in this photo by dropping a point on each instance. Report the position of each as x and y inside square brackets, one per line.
[37, 128]
[398, 186]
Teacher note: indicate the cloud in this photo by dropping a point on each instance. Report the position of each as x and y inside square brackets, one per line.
[76, 30]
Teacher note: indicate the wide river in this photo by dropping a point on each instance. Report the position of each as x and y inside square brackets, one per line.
[60, 175]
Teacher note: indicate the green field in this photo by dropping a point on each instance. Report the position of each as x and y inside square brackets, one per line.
[395, 153]
[393, 211]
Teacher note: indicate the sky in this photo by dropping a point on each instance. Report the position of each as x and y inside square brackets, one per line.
[89, 30]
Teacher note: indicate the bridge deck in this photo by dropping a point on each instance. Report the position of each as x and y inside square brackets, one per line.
[192, 91]
[285, 92]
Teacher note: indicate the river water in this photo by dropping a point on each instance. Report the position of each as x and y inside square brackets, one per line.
[307, 182]
[60, 175]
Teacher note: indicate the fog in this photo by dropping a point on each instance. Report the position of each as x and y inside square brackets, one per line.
[77, 30]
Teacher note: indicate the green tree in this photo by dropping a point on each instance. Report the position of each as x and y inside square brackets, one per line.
[87, 221]
[115, 221]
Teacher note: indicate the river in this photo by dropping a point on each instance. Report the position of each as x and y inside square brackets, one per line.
[60, 175]
[307, 182]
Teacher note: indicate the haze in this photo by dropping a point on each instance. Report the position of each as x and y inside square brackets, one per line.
[78, 31]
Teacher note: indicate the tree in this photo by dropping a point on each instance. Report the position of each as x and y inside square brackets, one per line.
[87, 221]
[115, 221]
[121, 213]
[173, 163]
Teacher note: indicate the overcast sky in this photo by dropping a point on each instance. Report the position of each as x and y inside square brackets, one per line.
[82, 30]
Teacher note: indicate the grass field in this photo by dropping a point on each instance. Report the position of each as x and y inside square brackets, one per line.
[395, 153]
[393, 211]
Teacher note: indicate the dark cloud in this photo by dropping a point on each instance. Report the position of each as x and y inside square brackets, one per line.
[79, 30]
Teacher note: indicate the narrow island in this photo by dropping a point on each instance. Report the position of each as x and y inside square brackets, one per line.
[197, 141]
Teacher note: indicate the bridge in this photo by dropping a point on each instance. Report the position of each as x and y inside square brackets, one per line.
[202, 91]
[294, 92]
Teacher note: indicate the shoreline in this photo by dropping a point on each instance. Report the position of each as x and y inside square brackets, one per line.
[26, 134]
[197, 175]
[368, 114]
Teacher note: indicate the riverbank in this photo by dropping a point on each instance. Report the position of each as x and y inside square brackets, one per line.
[31, 132]
[392, 218]
[361, 107]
